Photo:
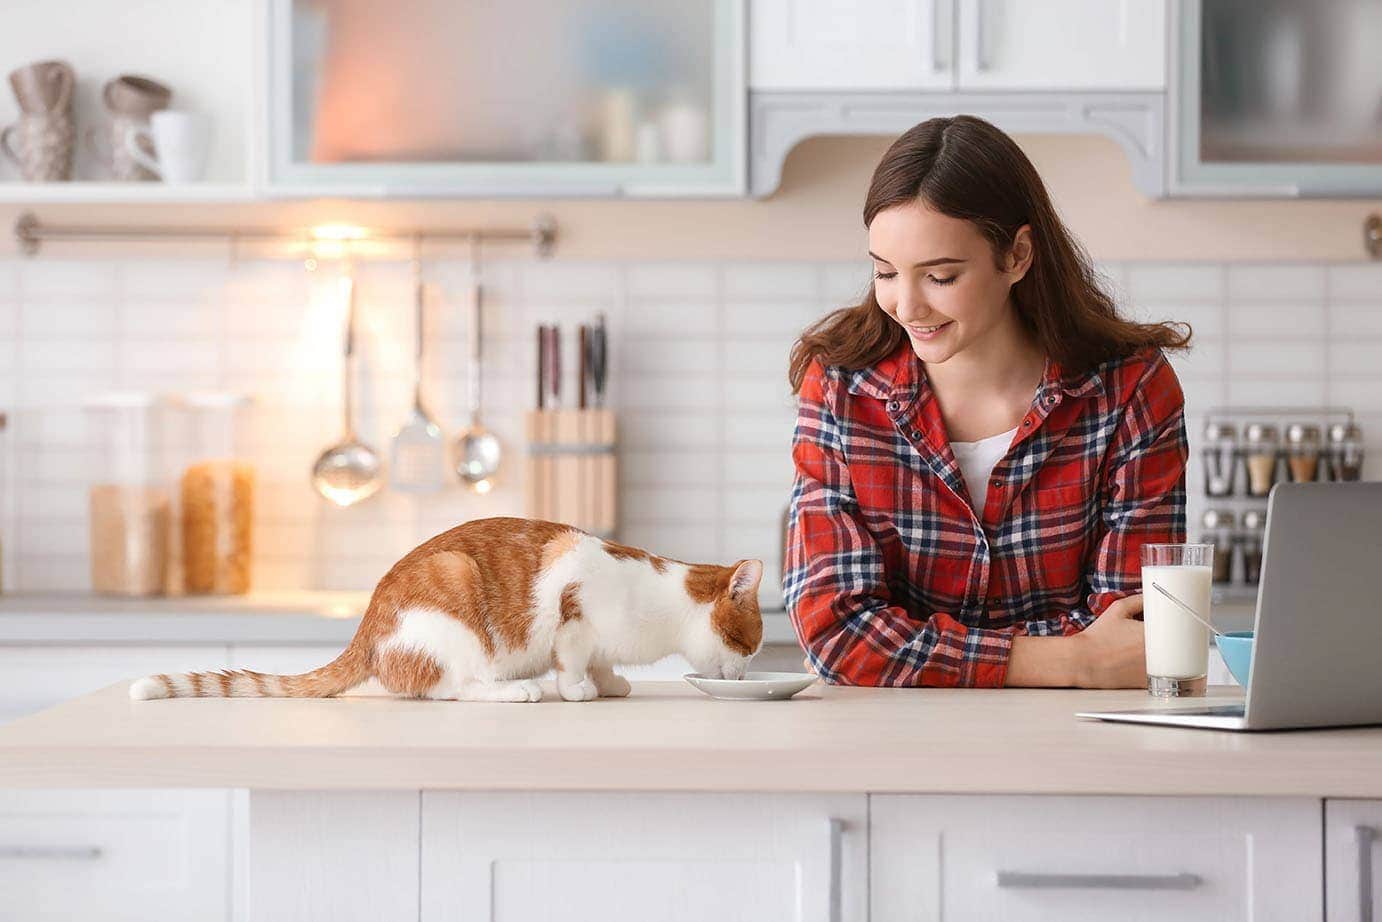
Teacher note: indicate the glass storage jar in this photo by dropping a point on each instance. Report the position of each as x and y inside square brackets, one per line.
[129, 499]
[1216, 528]
[1261, 448]
[1345, 452]
[1303, 447]
[216, 496]
[1252, 536]
[1220, 454]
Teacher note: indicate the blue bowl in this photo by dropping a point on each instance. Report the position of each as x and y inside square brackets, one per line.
[1236, 649]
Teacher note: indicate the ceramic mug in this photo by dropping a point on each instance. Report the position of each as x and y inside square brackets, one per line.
[130, 99]
[180, 141]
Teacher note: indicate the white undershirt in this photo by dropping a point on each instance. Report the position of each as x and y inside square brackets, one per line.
[977, 460]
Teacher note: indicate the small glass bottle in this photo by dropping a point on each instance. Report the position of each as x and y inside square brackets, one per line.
[1216, 528]
[1303, 448]
[1220, 456]
[1253, 533]
[129, 500]
[1345, 452]
[1262, 445]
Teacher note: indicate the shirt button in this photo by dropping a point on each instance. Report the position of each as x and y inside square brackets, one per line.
[892, 405]
[916, 433]
[1050, 400]
[996, 484]
[1027, 421]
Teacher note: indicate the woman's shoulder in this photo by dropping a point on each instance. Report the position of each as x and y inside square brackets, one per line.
[1145, 377]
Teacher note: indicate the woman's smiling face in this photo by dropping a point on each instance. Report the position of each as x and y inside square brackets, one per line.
[937, 276]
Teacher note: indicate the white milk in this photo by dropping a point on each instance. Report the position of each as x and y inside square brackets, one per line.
[1177, 644]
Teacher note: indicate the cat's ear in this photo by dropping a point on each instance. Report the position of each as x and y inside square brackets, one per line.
[747, 575]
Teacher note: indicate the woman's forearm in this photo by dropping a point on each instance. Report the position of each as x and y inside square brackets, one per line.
[1043, 662]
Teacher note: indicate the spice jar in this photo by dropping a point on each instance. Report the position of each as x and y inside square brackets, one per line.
[1261, 445]
[130, 518]
[216, 497]
[1303, 448]
[1220, 454]
[1253, 533]
[1217, 529]
[1345, 452]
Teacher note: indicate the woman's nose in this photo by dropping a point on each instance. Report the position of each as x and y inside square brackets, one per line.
[911, 309]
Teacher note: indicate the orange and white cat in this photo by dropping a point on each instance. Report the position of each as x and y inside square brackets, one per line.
[480, 611]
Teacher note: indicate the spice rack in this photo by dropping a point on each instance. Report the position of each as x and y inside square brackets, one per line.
[1245, 452]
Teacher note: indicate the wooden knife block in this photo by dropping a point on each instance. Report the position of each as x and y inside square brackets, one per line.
[572, 472]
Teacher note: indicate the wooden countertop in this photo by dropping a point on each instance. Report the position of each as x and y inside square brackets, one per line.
[667, 736]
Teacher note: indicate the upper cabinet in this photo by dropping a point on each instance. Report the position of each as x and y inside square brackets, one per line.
[1277, 97]
[852, 44]
[946, 45]
[1062, 45]
[528, 97]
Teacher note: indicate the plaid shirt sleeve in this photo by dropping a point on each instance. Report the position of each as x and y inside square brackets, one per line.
[1143, 496]
[836, 588]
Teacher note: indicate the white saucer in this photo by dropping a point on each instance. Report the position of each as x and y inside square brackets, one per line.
[754, 686]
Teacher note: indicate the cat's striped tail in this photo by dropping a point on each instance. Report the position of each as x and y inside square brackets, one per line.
[344, 672]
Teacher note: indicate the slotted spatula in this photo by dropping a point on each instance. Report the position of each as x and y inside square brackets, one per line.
[419, 451]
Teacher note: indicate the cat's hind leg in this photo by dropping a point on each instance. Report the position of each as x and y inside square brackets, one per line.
[609, 683]
[572, 650]
[500, 690]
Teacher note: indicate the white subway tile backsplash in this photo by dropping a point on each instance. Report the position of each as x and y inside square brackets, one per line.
[1273, 282]
[1157, 282]
[698, 350]
[1289, 319]
[1355, 282]
[1288, 359]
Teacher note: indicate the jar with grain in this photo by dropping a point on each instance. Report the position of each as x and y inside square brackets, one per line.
[1345, 452]
[217, 497]
[1220, 455]
[1216, 528]
[129, 500]
[1303, 448]
[1261, 450]
[1254, 533]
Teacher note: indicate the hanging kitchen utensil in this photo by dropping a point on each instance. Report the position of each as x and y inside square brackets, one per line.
[419, 450]
[477, 449]
[349, 471]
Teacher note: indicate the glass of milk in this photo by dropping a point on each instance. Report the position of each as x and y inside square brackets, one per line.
[1177, 645]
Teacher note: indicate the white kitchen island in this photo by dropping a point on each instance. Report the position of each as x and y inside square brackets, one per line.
[842, 804]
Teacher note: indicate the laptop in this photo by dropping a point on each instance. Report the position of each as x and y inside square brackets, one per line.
[1318, 640]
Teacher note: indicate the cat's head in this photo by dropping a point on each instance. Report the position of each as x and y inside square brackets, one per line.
[732, 630]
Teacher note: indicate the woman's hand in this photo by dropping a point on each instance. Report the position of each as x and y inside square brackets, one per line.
[1111, 651]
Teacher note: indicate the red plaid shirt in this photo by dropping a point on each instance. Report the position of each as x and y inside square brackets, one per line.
[894, 579]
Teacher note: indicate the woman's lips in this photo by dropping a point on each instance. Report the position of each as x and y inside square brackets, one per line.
[922, 334]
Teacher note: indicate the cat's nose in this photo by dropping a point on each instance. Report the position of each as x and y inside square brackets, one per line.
[733, 671]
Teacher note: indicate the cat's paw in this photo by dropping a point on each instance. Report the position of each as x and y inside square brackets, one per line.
[614, 686]
[527, 690]
[584, 690]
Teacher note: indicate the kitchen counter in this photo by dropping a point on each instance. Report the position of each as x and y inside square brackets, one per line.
[283, 617]
[668, 737]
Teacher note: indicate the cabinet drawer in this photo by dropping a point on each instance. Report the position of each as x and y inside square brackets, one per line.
[33, 678]
[114, 855]
[638, 857]
[1353, 860]
[1097, 858]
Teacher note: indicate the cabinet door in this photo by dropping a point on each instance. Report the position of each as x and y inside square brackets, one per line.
[850, 45]
[641, 857]
[1062, 45]
[101, 856]
[1135, 859]
[1353, 860]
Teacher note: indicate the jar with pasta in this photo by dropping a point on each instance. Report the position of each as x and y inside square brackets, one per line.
[216, 496]
[129, 499]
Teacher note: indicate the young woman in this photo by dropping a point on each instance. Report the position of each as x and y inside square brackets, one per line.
[983, 445]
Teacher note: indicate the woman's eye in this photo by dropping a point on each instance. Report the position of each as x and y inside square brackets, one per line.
[945, 281]
[884, 275]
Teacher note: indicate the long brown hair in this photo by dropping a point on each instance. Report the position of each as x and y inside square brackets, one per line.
[966, 168]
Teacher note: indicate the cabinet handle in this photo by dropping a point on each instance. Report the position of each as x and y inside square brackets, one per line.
[1024, 880]
[981, 50]
[837, 827]
[65, 853]
[1364, 836]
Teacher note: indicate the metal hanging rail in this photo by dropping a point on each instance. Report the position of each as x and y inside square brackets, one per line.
[31, 233]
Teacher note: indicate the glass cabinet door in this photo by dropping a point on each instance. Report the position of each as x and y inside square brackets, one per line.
[467, 98]
[1280, 96]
